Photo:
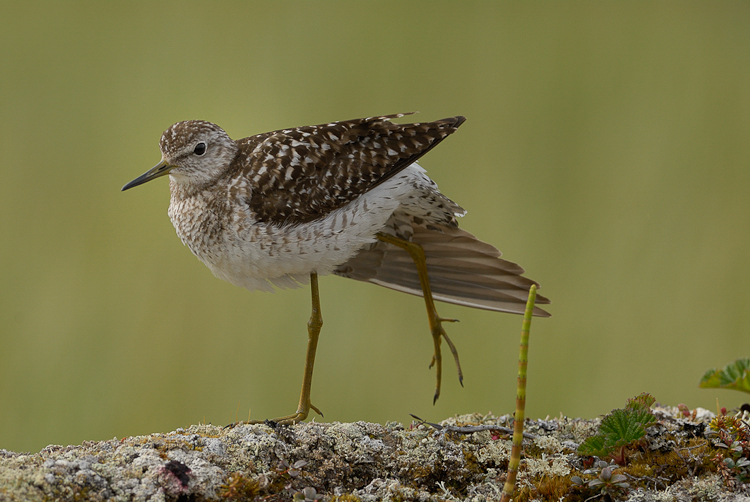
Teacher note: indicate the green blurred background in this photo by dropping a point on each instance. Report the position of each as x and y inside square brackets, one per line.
[606, 150]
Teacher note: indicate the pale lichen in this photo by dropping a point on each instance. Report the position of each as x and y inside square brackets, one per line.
[545, 466]
[347, 462]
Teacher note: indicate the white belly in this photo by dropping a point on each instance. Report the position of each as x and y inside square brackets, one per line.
[256, 255]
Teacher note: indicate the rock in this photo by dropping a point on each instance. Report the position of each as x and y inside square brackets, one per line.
[347, 462]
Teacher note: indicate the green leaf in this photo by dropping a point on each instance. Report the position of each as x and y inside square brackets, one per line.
[735, 376]
[619, 428]
[625, 426]
[595, 445]
[641, 402]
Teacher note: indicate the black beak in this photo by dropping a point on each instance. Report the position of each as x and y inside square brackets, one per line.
[158, 170]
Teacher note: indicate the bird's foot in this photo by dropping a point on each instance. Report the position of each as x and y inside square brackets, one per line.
[292, 419]
[438, 333]
[417, 254]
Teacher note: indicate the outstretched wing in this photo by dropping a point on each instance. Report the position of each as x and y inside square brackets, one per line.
[304, 173]
[463, 270]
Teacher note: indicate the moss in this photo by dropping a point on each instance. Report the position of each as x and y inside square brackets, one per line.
[471, 462]
[552, 488]
[240, 488]
[346, 498]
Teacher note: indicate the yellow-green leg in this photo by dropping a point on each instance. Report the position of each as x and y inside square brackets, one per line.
[313, 332]
[417, 254]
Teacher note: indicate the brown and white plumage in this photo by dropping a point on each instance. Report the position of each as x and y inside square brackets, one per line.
[270, 209]
[463, 270]
[347, 198]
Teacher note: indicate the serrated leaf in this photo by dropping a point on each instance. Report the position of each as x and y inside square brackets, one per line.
[621, 427]
[595, 445]
[625, 426]
[734, 375]
[642, 401]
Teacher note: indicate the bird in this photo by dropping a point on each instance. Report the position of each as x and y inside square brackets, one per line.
[278, 209]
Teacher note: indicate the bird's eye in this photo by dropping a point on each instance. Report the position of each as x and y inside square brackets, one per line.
[200, 148]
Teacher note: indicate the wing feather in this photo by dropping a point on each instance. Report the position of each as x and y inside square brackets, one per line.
[462, 269]
[302, 174]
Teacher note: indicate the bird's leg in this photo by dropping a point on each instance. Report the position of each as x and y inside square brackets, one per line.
[313, 332]
[417, 254]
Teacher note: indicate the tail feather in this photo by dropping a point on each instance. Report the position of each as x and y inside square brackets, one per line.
[462, 269]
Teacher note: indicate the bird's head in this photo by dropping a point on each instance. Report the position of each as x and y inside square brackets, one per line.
[194, 153]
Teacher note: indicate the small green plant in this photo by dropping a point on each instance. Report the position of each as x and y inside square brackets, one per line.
[606, 483]
[734, 375]
[731, 435]
[518, 417]
[621, 428]
[308, 494]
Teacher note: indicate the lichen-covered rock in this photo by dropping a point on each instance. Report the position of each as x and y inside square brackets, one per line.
[352, 461]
